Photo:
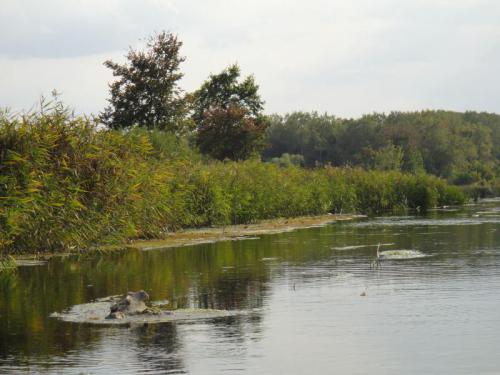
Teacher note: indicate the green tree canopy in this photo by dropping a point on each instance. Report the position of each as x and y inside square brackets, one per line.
[462, 147]
[147, 92]
[231, 133]
[228, 116]
[223, 90]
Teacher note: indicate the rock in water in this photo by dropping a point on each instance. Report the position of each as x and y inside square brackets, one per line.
[133, 303]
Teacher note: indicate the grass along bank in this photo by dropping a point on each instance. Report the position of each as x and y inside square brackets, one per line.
[66, 186]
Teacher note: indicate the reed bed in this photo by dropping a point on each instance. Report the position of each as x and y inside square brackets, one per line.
[66, 184]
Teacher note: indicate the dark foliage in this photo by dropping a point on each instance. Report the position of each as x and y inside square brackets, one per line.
[223, 90]
[231, 133]
[228, 115]
[147, 92]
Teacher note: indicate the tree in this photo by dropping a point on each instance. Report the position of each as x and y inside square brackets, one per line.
[231, 133]
[222, 90]
[228, 116]
[147, 92]
[388, 158]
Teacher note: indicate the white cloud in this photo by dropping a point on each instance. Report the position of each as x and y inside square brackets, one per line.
[81, 81]
[347, 57]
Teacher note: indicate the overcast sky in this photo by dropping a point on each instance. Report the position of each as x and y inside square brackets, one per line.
[346, 57]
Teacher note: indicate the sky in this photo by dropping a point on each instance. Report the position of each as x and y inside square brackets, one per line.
[344, 57]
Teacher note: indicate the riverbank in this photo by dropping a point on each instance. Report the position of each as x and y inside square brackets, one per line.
[189, 237]
[238, 232]
[66, 186]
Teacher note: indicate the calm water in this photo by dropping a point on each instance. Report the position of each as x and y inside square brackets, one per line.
[302, 294]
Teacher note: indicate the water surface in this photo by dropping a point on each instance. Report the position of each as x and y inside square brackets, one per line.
[314, 302]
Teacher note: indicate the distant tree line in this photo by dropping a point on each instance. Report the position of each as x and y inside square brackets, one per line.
[461, 147]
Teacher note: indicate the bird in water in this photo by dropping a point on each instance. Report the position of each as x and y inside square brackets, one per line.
[133, 303]
[376, 261]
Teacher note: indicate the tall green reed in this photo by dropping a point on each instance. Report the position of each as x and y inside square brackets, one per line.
[66, 184]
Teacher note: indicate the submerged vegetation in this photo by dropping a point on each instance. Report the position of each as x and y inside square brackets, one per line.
[67, 184]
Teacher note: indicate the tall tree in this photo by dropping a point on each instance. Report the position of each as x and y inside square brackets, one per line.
[228, 116]
[231, 133]
[147, 92]
[223, 90]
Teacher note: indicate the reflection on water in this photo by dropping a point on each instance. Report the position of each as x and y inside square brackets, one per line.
[316, 304]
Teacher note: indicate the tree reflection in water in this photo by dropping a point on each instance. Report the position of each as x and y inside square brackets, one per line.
[226, 276]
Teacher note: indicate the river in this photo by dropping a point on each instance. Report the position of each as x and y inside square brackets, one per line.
[312, 301]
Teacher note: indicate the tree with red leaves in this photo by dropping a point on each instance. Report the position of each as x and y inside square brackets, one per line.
[231, 133]
[228, 115]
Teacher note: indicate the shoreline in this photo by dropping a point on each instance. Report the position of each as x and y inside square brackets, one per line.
[195, 236]
[189, 237]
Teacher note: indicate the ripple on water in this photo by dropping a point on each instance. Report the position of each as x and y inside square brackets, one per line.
[402, 254]
[426, 222]
[30, 262]
[354, 247]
